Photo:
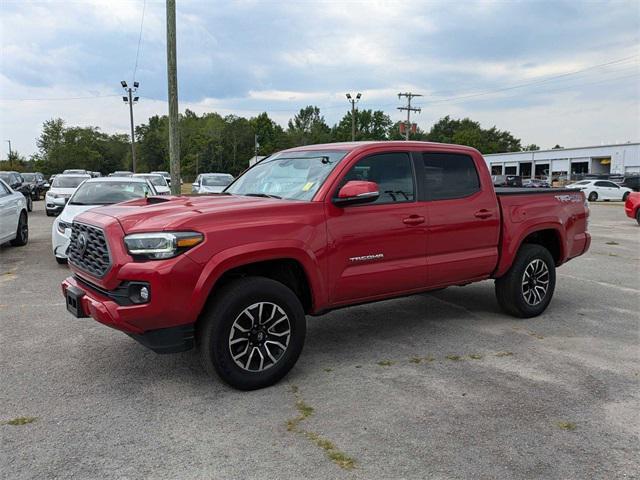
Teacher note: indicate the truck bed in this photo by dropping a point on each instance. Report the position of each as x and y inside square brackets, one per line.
[530, 191]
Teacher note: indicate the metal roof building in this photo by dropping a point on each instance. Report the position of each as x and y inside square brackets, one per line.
[623, 159]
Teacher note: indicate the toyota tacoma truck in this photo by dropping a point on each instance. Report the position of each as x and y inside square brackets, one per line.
[309, 230]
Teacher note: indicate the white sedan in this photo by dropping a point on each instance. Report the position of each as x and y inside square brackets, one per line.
[62, 187]
[14, 222]
[93, 193]
[158, 182]
[601, 190]
[211, 182]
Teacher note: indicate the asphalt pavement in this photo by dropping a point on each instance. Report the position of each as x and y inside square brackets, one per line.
[438, 385]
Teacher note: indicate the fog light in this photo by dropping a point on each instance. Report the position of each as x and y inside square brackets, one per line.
[144, 294]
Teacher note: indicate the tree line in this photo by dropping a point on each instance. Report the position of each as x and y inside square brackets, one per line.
[213, 143]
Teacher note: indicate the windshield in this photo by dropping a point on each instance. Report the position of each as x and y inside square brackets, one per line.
[107, 193]
[67, 182]
[216, 180]
[157, 180]
[290, 175]
[29, 177]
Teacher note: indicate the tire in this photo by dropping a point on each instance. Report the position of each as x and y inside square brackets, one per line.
[593, 196]
[22, 232]
[242, 305]
[29, 203]
[61, 261]
[526, 300]
[49, 214]
[625, 196]
[638, 216]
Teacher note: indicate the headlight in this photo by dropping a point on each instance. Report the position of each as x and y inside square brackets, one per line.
[62, 226]
[161, 245]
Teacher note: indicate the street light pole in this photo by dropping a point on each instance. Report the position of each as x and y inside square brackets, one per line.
[130, 99]
[9, 157]
[353, 102]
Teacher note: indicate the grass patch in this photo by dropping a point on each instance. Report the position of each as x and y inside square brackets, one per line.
[613, 254]
[305, 411]
[612, 242]
[475, 356]
[19, 421]
[385, 363]
[454, 358]
[504, 354]
[536, 335]
[570, 426]
[328, 370]
[415, 359]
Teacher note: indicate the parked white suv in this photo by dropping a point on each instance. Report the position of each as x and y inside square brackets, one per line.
[62, 187]
[94, 193]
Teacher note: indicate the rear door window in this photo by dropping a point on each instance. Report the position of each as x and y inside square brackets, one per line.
[449, 176]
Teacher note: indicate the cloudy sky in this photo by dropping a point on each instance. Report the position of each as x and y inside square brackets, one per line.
[550, 72]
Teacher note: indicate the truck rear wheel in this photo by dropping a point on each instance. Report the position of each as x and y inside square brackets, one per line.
[527, 288]
[252, 333]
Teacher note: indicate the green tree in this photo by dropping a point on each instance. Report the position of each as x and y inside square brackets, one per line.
[308, 127]
[468, 132]
[370, 125]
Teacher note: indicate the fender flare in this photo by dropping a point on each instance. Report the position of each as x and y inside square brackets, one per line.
[508, 255]
[256, 252]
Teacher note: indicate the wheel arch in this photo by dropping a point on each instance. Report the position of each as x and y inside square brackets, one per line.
[294, 267]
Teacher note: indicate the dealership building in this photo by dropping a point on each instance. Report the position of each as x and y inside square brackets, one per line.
[622, 159]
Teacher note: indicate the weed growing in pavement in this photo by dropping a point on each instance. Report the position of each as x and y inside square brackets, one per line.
[454, 358]
[504, 354]
[567, 425]
[475, 356]
[305, 411]
[19, 421]
[612, 242]
[385, 363]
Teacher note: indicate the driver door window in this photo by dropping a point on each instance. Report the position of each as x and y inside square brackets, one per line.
[393, 172]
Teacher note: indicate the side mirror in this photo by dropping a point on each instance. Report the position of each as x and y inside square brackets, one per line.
[356, 192]
[194, 184]
[60, 201]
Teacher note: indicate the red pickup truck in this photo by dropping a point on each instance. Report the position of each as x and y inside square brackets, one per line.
[308, 230]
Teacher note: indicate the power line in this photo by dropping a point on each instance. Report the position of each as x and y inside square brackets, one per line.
[135, 68]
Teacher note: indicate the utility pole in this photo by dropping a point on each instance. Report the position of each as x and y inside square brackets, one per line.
[130, 99]
[172, 76]
[255, 147]
[409, 109]
[9, 157]
[353, 102]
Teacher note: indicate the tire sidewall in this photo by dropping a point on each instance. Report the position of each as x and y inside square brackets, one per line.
[593, 197]
[230, 302]
[528, 254]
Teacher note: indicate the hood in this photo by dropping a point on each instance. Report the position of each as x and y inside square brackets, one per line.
[70, 211]
[63, 191]
[211, 189]
[175, 213]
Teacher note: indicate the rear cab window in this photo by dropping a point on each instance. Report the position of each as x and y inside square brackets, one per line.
[448, 176]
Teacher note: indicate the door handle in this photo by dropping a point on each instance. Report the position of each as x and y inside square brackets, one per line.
[413, 220]
[484, 213]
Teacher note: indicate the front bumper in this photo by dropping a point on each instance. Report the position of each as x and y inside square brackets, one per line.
[107, 309]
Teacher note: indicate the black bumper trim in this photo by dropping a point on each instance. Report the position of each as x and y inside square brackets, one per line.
[168, 340]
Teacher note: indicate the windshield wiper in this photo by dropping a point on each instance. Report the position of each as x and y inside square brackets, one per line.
[265, 195]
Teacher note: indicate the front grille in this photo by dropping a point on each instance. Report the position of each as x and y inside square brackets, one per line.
[88, 249]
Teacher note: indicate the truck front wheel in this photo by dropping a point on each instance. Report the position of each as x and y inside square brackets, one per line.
[252, 333]
[527, 288]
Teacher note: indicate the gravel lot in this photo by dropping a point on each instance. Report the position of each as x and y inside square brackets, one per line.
[437, 385]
